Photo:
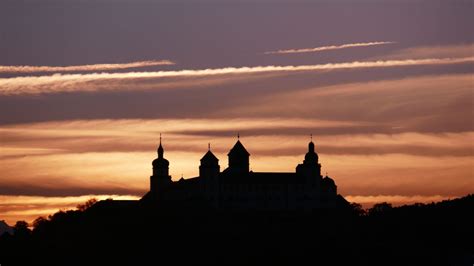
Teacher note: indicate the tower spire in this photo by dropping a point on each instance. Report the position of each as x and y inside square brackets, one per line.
[209, 146]
[238, 135]
[160, 149]
[311, 135]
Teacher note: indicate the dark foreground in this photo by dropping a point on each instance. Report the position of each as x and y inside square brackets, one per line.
[433, 234]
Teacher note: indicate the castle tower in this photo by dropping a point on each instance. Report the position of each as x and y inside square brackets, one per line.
[160, 177]
[239, 158]
[311, 157]
[310, 166]
[209, 165]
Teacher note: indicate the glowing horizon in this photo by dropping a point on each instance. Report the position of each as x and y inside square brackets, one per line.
[120, 152]
[29, 208]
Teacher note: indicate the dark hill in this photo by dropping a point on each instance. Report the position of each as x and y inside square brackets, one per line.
[125, 233]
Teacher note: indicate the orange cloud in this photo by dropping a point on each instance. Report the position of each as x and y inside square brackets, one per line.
[326, 48]
[118, 155]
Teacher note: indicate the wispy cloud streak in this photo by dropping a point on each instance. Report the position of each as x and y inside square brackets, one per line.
[68, 82]
[445, 51]
[93, 67]
[327, 48]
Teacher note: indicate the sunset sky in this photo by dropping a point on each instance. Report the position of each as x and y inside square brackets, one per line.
[86, 87]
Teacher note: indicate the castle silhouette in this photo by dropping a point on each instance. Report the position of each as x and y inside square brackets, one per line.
[238, 188]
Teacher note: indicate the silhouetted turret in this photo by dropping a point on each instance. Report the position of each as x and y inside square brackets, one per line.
[311, 157]
[239, 159]
[160, 177]
[310, 167]
[329, 186]
[209, 165]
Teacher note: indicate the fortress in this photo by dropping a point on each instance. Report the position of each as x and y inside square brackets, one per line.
[238, 188]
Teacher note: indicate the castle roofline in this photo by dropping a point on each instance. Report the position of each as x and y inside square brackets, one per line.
[238, 149]
[209, 156]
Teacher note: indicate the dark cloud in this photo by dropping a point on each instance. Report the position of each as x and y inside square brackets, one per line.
[292, 130]
[419, 104]
[105, 144]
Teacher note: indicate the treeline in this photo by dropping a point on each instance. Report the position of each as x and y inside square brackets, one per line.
[420, 234]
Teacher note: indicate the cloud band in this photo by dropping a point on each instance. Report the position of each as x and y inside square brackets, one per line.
[68, 82]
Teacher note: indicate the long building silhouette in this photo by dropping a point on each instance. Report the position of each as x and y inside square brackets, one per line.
[236, 187]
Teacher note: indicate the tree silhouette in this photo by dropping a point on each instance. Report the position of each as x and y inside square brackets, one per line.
[39, 224]
[21, 229]
[410, 233]
[380, 208]
[357, 209]
[86, 205]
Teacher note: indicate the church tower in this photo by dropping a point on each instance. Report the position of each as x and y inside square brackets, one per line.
[239, 158]
[160, 177]
[209, 167]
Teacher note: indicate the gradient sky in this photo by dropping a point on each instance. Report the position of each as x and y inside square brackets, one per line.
[385, 87]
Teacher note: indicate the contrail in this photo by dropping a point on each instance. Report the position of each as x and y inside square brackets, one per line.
[326, 48]
[70, 82]
[94, 67]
